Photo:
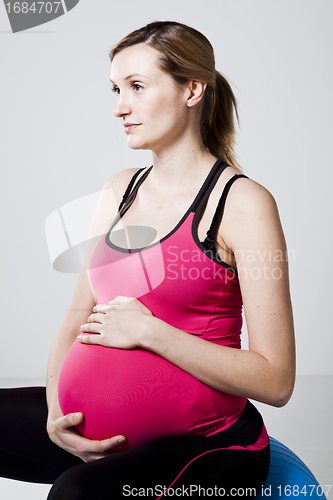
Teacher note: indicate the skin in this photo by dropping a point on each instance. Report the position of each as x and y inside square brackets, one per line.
[250, 236]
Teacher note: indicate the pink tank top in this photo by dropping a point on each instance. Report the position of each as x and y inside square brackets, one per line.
[183, 282]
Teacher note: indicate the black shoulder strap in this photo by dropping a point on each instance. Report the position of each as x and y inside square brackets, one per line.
[130, 186]
[211, 233]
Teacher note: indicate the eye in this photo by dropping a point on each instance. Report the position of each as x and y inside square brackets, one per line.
[137, 86]
[115, 90]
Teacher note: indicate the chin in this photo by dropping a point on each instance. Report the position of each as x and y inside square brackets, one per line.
[137, 145]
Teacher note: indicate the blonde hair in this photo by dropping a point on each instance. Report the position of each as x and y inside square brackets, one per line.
[186, 54]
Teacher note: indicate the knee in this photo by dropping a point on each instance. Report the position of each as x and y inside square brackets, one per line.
[69, 486]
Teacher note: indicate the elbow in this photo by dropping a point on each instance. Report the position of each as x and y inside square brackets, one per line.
[277, 399]
[283, 392]
[281, 400]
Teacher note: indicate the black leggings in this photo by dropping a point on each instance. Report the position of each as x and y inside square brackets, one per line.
[27, 454]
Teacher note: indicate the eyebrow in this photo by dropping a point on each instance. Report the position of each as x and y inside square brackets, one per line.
[131, 76]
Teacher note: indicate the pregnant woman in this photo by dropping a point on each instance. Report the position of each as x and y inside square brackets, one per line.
[147, 387]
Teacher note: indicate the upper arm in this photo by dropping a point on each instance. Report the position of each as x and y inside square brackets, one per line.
[83, 299]
[255, 236]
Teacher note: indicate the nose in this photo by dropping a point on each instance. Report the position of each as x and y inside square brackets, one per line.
[122, 106]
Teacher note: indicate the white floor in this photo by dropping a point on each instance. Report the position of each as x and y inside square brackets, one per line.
[305, 425]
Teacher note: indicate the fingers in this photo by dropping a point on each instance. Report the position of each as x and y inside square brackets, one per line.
[101, 308]
[120, 300]
[91, 339]
[86, 446]
[108, 444]
[69, 420]
[91, 328]
[117, 301]
[90, 456]
[80, 446]
[96, 318]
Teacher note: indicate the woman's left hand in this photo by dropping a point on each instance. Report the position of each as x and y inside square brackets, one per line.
[117, 324]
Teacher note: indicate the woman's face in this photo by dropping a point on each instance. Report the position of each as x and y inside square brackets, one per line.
[150, 106]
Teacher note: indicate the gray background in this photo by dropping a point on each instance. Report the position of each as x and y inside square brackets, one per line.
[60, 142]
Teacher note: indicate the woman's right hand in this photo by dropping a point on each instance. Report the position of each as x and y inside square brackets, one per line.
[63, 433]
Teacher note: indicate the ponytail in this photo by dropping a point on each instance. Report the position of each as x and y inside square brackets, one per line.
[217, 120]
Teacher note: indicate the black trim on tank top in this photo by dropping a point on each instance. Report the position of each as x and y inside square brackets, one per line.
[211, 233]
[196, 202]
[129, 196]
[197, 206]
[209, 243]
[129, 189]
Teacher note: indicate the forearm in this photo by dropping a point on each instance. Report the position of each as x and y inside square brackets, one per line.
[79, 309]
[60, 348]
[235, 371]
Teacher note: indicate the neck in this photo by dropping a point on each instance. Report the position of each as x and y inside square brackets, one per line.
[181, 166]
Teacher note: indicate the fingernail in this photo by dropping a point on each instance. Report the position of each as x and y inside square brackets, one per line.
[77, 416]
[121, 440]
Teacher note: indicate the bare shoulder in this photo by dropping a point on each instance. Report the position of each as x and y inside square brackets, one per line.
[119, 182]
[248, 202]
[248, 196]
[251, 214]
[110, 197]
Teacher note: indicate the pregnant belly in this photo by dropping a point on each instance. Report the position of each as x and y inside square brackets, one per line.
[134, 392]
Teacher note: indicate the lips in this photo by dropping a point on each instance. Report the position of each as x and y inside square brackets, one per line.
[130, 126]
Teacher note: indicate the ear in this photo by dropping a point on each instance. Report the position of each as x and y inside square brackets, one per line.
[196, 91]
